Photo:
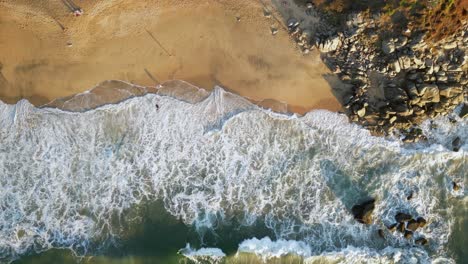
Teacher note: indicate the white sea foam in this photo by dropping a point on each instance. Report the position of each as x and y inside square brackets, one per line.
[267, 249]
[64, 175]
[203, 255]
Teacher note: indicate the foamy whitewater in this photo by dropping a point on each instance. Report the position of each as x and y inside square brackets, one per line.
[65, 175]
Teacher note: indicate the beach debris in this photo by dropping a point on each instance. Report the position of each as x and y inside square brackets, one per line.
[266, 13]
[363, 212]
[69, 44]
[402, 217]
[238, 18]
[456, 144]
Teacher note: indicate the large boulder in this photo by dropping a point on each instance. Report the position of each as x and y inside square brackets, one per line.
[449, 90]
[412, 225]
[363, 212]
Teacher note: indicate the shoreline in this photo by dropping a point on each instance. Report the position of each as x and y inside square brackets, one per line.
[233, 48]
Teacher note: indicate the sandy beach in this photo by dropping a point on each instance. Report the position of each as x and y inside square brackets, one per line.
[47, 53]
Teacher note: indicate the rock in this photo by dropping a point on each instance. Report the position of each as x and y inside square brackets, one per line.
[401, 227]
[395, 94]
[392, 227]
[388, 46]
[402, 217]
[455, 186]
[421, 221]
[450, 45]
[363, 212]
[330, 44]
[464, 111]
[449, 90]
[381, 233]
[292, 23]
[421, 241]
[456, 144]
[412, 225]
[405, 62]
[410, 196]
[395, 66]
[402, 109]
[361, 112]
[392, 120]
[429, 92]
[408, 234]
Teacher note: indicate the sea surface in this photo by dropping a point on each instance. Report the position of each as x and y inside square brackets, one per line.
[216, 179]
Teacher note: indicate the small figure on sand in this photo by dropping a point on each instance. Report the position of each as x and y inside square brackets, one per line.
[76, 10]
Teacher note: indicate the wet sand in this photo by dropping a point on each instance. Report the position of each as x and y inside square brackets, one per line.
[47, 53]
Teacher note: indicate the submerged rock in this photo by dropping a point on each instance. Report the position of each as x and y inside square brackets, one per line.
[381, 233]
[363, 212]
[392, 227]
[402, 217]
[412, 225]
[422, 241]
[421, 221]
[455, 186]
[456, 144]
[408, 234]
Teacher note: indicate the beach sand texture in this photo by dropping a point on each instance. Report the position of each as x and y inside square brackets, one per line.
[47, 53]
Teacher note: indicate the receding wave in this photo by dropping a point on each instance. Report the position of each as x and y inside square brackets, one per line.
[67, 177]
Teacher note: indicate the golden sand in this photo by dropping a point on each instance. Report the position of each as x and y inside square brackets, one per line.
[47, 53]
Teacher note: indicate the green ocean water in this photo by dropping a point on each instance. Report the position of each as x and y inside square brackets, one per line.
[135, 183]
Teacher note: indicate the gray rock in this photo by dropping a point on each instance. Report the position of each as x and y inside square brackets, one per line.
[456, 144]
[464, 111]
[388, 46]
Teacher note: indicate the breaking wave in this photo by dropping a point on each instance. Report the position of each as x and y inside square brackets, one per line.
[66, 177]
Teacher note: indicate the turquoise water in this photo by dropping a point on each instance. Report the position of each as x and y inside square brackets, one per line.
[136, 183]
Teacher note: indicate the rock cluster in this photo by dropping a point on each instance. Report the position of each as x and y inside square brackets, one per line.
[363, 212]
[397, 81]
[400, 81]
[407, 226]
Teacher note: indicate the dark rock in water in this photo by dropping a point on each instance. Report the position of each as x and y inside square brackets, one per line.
[392, 227]
[464, 111]
[363, 212]
[381, 233]
[422, 241]
[401, 227]
[410, 196]
[421, 221]
[402, 217]
[456, 144]
[412, 225]
[408, 234]
[455, 186]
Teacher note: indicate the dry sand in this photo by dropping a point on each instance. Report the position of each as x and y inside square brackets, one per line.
[205, 42]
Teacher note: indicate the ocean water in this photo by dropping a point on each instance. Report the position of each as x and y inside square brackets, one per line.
[217, 179]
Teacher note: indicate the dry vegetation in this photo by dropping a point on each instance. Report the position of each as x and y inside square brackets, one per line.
[439, 18]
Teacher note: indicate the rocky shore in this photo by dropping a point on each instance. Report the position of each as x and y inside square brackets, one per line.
[397, 80]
